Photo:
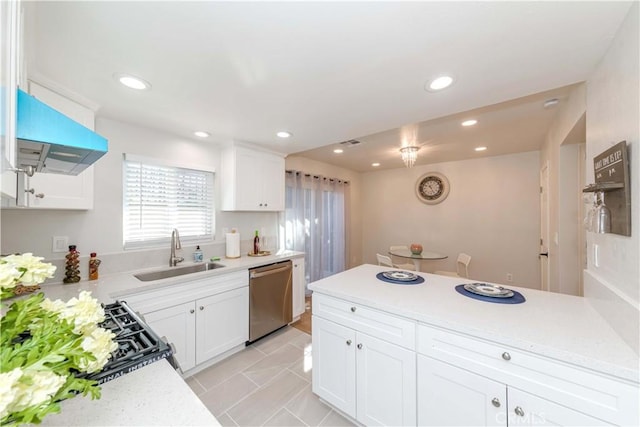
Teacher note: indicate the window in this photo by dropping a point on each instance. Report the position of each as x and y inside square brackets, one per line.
[159, 198]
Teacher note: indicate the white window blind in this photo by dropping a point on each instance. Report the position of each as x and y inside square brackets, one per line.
[159, 198]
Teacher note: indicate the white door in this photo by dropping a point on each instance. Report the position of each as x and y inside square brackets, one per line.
[528, 410]
[334, 364]
[272, 181]
[222, 323]
[298, 303]
[385, 383]
[544, 227]
[451, 396]
[177, 324]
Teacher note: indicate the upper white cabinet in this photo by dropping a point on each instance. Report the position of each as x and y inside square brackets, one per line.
[251, 180]
[52, 191]
[9, 41]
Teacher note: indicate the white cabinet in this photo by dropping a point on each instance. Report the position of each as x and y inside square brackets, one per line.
[459, 377]
[356, 370]
[9, 41]
[251, 180]
[202, 329]
[52, 191]
[299, 286]
[202, 318]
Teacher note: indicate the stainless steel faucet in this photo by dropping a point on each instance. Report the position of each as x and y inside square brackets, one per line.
[175, 244]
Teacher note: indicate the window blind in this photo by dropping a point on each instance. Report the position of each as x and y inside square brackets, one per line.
[159, 198]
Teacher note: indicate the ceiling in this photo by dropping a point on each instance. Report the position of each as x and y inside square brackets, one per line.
[327, 71]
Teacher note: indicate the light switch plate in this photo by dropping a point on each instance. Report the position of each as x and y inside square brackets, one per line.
[59, 244]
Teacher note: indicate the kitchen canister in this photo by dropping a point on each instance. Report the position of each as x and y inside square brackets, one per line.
[233, 245]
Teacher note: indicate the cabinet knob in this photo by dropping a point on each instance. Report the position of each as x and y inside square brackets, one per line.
[353, 309]
[519, 411]
[495, 402]
[359, 346]
[348, 342]
[506, 356]
[260, 204]
[266, 205]
[192, 311]
[201, 308]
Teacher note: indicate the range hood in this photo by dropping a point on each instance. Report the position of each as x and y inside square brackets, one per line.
[48, 141]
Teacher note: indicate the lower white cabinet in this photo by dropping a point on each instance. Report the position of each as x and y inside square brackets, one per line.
[371, 380]
[299, 285]
[205, 328]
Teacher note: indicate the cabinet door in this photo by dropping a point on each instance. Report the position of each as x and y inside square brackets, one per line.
[334, 364]
[299, 286]
[385, 383]
[528, 410]
[450, 396]
[9, 42]
[272, 182]
[177, 324]
[222, 322]
[60, 191]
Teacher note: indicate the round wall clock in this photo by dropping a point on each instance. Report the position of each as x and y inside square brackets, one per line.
[432, 188]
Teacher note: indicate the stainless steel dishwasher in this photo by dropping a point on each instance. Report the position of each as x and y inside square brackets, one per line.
[269, 299]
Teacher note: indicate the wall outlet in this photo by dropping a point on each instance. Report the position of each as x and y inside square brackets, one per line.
[59, 244]
[509, 277]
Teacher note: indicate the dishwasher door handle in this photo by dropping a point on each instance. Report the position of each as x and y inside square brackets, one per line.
[255, 275]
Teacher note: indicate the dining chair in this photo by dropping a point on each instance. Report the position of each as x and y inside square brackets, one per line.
[384, 260]
[404, 266]
[462, 267]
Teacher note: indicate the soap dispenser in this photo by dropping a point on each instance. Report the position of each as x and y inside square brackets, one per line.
[197, 255]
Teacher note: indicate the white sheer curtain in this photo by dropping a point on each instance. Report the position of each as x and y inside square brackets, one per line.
[314, 222]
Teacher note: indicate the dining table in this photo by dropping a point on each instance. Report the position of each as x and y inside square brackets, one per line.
[416, 258]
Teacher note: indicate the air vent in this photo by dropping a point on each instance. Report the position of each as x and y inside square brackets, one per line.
[350, 143]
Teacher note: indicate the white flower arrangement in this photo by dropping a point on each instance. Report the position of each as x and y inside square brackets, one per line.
[45, 344]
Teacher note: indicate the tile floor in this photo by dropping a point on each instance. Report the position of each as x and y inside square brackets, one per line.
[266, 384]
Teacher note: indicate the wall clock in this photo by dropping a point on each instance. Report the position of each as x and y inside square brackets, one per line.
[432, 188]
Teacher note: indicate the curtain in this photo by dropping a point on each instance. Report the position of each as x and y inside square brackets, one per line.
[314, 222]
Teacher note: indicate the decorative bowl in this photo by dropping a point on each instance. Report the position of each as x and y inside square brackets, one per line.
[416, 248]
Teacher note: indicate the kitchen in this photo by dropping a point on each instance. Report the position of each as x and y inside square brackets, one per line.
[28, 230]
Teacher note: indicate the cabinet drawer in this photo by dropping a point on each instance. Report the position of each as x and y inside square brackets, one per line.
[384, 326]
[603, 397]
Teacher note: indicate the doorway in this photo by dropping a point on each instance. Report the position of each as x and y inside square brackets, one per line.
[544, 227]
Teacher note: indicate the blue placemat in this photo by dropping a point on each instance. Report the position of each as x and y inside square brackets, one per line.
[419, 280]
[517, 297]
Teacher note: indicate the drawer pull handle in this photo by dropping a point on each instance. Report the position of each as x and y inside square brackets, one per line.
[506, 356]
[353, 309]
[360, 346]
[495, 402]
[192, 311]
[348, 342]
[519, 411]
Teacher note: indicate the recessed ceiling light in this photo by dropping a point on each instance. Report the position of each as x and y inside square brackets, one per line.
[439, 83]
[132, 82]
[551, 103]
[480, 148]
[375, 165]
[469, 122]
[338, 151]
[284, 134]
[201, 134]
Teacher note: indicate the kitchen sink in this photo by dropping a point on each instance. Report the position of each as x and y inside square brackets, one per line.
[177, 271]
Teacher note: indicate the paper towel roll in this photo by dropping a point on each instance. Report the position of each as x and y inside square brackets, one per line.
[233, 245]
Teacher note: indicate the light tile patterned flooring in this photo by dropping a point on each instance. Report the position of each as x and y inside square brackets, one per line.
[266, 384]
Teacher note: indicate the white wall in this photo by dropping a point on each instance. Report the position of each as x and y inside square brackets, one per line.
[100, 230]
[491, 213]
[613, 111]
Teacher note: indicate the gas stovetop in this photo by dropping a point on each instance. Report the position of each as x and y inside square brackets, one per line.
[138, 345]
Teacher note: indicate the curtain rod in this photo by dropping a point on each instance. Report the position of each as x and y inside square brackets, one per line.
[317, 176]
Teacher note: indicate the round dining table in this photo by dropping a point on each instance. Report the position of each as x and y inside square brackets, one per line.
[416, 258]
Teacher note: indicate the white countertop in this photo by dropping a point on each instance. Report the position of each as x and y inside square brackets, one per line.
[155, 394]
[152, 396]
[558, 326]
